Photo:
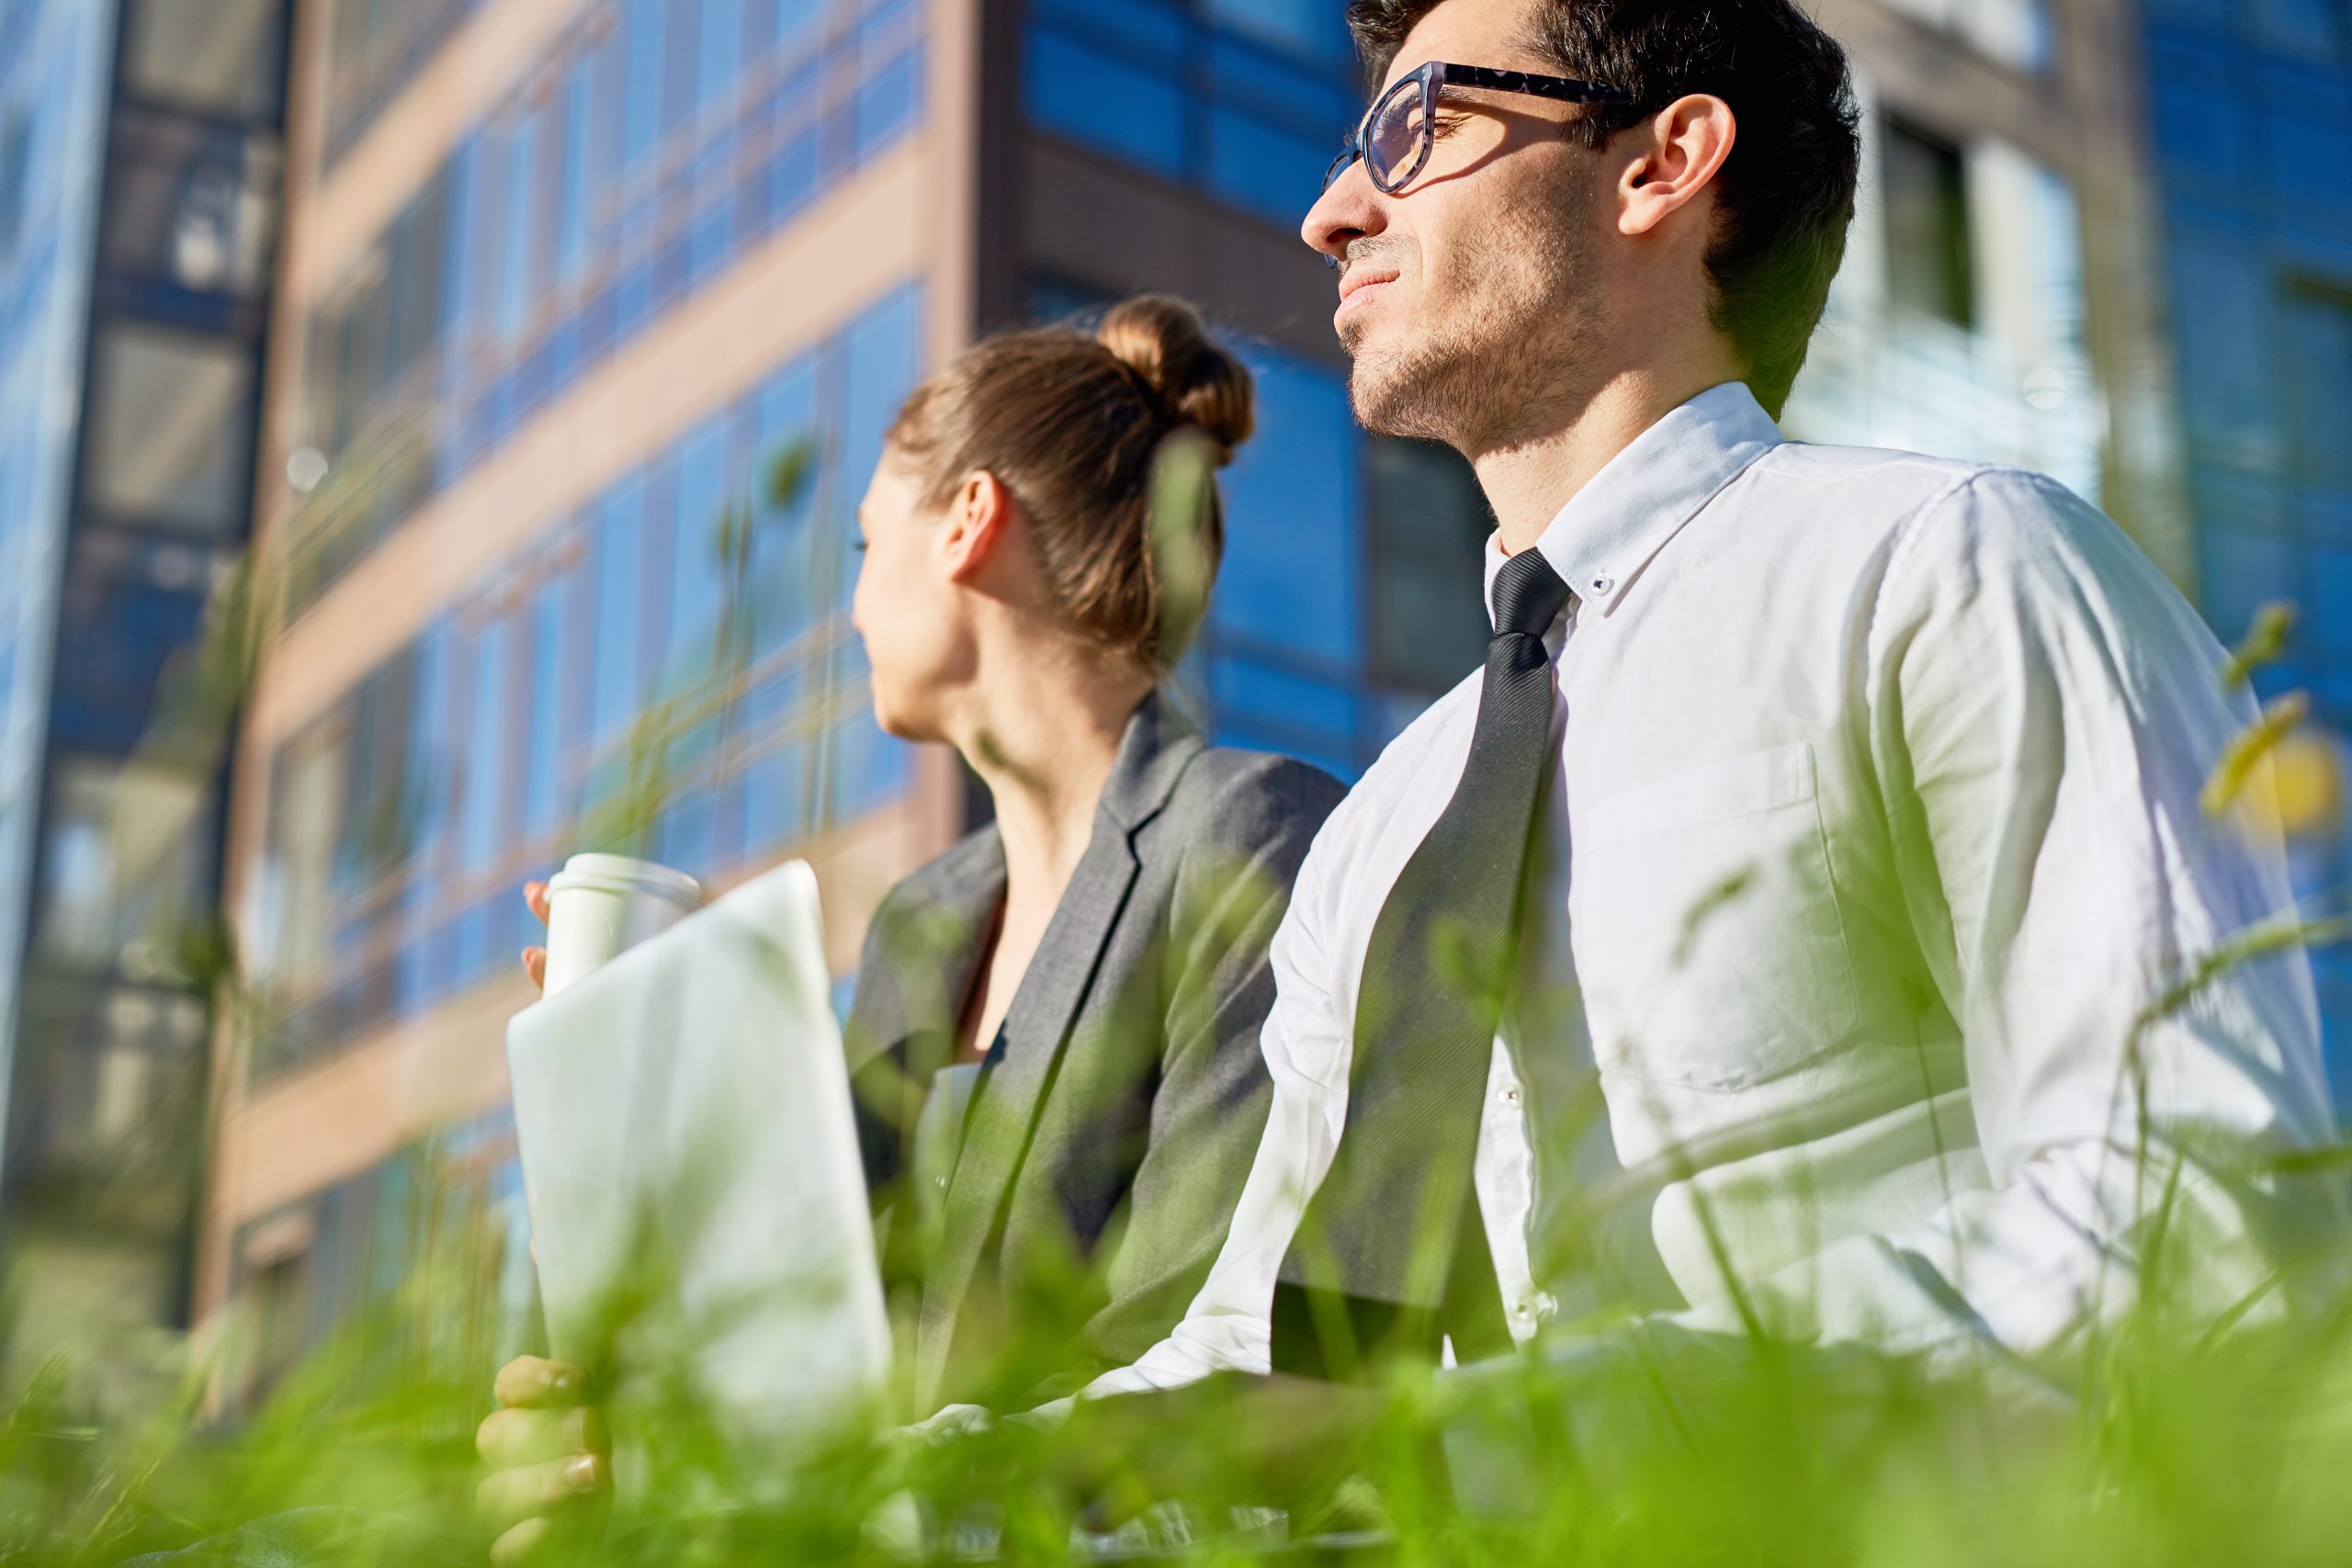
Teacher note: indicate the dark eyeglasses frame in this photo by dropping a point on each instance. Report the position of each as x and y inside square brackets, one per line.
[1433, 78]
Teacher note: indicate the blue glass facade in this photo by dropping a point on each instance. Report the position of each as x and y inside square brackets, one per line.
[1329, 631]
[2252, 126]
[405, 817]
[140, 159]
[661, 140]
[53, 61]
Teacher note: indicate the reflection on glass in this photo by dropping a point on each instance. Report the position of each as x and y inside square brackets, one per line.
[220, 56]
[1310, 26]
[190, 203]
[1430, 524]
[2320, 344]
[486, 748]
[127, 854]
[171, 425]
[1926, 225]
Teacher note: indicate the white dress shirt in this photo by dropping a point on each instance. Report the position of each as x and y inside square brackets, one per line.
[1875, 832]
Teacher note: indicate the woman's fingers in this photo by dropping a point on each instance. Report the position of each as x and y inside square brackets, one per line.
[511, 1437]
[517, 1544]
[507, 1497]
[532, 1382]
[534, 964]
[535, 893]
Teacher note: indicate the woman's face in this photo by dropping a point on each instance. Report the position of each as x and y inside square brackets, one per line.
[908, 607]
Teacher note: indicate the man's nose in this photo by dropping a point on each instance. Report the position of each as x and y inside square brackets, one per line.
[1348, 210]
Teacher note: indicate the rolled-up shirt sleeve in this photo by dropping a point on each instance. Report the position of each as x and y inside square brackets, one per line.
[2044, 713]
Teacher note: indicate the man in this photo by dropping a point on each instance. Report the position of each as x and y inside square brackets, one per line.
[1790, 930]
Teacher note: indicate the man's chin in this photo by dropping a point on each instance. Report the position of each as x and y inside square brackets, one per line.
[1383, 391]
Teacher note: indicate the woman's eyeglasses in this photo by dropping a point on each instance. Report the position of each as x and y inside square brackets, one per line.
[1395, 139]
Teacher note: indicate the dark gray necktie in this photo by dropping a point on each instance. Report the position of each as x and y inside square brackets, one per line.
[1390, 1255]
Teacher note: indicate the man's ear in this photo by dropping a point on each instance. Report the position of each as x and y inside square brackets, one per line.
[979, 515]
[1677, 153]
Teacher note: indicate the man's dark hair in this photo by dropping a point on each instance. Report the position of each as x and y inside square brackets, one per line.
[1784, 197]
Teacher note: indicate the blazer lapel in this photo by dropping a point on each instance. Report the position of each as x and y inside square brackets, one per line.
[1038, 1025]
[925, 951]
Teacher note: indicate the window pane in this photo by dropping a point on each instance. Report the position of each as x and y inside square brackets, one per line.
[721, 52]
[620, 530]
[1315, 104]
[1294, 498]
[1927, 226]
[883, 350]
[173, 428]
[775, 784]
[890, 102]
[1101, 100]
[306, 793]
[220, 56]
[869, 768]
[581, 133]
[2319, 339]
[1315, 27]
[468, 201]
[696, 570]
[1272, 171]
[128, 611]
[1429, 526]
[128, 861]
[786, 442]
[642, 31]
[485, 763]
[518, 251]
[16, 153]
[1280, 710]
[2239, 574]
[544, 760]
[430, 754]
[1150, 30]
[192, 204]
[2313, 29]
[799, 26]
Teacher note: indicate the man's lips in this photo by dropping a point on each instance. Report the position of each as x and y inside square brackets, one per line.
[1362, 283]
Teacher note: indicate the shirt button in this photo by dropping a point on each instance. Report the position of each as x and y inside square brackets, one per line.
[1527, 1309]
[1602, 585]
[939, 1181]
[1509, 1096]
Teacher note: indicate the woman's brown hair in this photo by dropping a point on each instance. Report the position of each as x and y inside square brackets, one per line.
[1102, 439]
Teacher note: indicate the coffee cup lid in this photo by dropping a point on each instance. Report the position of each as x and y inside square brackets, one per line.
[622, 874]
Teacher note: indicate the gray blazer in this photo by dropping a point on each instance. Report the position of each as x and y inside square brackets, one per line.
[1106, 1149]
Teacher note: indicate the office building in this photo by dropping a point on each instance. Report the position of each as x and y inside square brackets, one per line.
[2252, 115]
[139, 165]
[581, 296]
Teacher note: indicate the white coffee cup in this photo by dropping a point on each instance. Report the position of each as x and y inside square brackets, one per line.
[601, 906]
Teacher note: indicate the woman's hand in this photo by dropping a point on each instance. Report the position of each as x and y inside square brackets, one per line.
[534, 959]
[550, 1457]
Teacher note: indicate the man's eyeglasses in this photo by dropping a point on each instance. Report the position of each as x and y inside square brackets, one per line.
[1395, 139]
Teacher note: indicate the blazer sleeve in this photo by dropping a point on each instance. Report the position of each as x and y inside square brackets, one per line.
[1209, 1108]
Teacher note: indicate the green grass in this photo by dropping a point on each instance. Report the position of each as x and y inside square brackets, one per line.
[2234, 1450]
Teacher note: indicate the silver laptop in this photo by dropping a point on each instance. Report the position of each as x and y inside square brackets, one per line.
[690, 1161]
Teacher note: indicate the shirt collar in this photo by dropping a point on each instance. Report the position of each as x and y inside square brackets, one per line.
[1612, 528]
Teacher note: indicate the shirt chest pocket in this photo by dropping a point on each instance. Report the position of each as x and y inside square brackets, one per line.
[1705, 926]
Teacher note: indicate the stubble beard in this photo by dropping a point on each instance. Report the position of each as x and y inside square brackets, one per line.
[1493, 368]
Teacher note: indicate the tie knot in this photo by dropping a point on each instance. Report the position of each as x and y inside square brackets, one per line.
[1529, 595]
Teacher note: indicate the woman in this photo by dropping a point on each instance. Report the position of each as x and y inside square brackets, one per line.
[1055, 1032]
[1096, 958]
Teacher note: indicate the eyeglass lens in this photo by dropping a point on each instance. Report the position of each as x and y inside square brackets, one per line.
[1392, 139]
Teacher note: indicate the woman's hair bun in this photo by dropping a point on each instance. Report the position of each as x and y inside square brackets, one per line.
[1163, 340]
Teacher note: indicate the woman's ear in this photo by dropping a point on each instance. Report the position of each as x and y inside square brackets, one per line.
[979, 515]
